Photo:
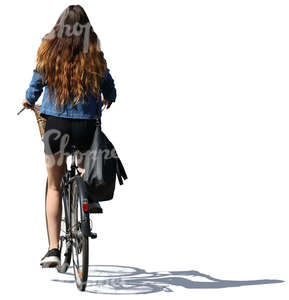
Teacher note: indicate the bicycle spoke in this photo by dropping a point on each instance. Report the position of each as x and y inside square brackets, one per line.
[64, 243]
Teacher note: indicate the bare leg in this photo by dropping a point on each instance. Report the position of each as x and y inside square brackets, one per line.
[53, 200]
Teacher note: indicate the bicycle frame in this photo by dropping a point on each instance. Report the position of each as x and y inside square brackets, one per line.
[70, 181]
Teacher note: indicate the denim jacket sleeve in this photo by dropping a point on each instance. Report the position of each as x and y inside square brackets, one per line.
[35, 88]
[107, 87]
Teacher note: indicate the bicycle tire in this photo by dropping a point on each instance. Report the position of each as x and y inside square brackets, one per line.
[80, 245]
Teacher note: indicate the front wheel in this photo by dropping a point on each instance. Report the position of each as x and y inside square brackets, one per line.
[79, 240]
[64, 239]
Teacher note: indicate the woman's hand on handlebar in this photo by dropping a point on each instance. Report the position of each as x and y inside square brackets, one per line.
[106, 103]
[26, 104]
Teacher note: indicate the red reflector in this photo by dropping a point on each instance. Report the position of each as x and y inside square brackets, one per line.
[85, 206]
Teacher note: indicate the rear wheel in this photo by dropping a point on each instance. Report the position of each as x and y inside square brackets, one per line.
[79, 241]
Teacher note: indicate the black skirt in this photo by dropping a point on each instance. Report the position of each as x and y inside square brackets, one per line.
[61, 133]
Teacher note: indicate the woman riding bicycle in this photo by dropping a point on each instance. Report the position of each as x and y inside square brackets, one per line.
[73, 72]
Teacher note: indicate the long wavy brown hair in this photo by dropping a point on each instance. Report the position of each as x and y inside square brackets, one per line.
[70, 59]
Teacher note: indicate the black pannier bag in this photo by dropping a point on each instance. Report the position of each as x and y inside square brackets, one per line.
[102, 166]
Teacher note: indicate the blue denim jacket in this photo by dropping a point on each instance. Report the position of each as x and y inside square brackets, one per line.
[83, 110]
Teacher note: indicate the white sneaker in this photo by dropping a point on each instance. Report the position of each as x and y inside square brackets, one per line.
[51, 259]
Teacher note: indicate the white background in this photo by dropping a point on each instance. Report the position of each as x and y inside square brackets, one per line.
[201, 125]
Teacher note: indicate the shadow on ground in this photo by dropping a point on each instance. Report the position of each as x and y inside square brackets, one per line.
[113, 279]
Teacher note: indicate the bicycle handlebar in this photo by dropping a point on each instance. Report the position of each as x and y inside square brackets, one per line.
[102, 109]
[20, 111]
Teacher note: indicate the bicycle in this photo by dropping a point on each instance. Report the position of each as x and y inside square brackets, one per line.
[75, 223]
[75, 220]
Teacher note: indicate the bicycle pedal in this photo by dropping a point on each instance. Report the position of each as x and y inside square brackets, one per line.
[48, 265]
[93, 235]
